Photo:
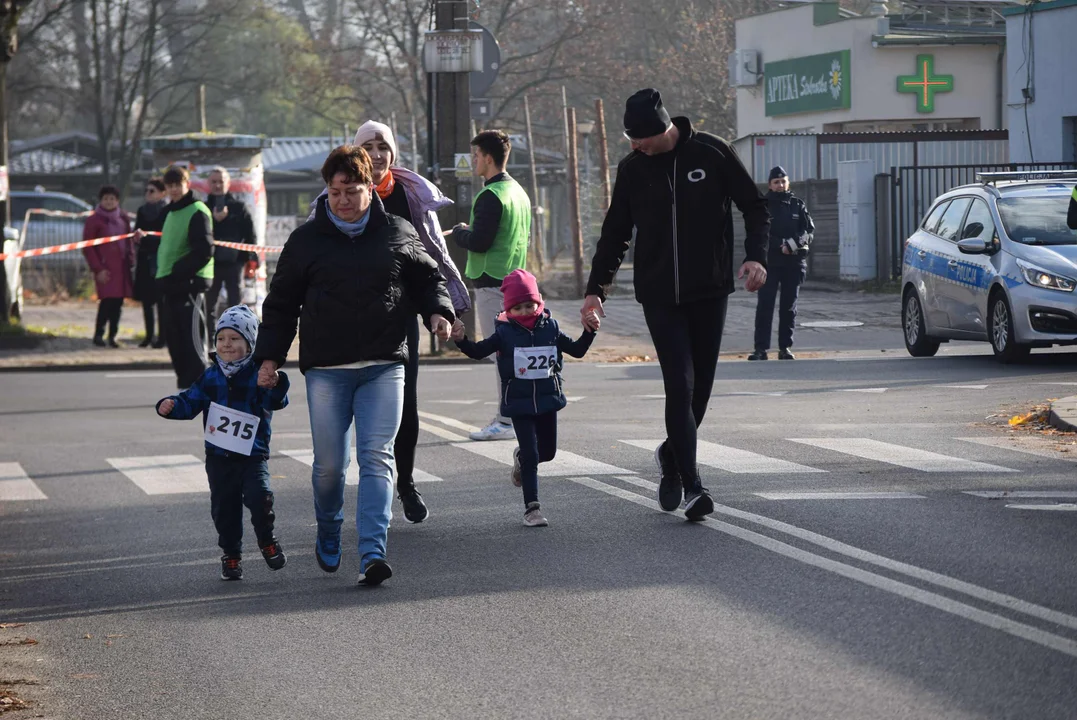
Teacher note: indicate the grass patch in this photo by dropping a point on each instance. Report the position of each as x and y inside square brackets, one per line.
[16, 336]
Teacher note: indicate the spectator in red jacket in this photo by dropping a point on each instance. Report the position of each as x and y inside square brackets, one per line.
[110, 263]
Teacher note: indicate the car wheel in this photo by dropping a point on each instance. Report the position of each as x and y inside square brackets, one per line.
[1006, 348]
[917, 341]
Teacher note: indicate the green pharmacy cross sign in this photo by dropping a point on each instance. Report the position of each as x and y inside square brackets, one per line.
[925, 83]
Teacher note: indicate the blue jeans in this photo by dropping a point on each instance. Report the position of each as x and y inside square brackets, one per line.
[537, 435]
[373, 398]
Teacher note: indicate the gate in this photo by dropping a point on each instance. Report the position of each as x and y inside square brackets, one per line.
[913, 189]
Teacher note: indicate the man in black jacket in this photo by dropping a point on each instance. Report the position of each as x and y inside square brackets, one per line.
[675, 189]
[232, 222]
[790, 232]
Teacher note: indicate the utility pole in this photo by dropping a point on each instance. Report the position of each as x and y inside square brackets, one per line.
[574, 203]
[536, 209]
[453, 126]
[603, 154]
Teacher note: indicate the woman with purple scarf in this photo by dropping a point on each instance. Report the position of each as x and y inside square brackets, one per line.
[409, 195]
[110, 263]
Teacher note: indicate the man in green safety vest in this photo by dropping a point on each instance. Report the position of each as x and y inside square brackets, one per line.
[1071, 216]
[184, 273]
[496, 243]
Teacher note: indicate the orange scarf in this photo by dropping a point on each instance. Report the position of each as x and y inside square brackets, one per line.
[385, 187]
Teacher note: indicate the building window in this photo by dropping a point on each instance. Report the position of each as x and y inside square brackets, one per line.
[1069, 139]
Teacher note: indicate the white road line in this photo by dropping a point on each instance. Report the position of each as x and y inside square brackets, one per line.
[421, 476]
[964, 387]
[15, 484]
[448, 422]
[638, 482]
[1018, 494]
[467, 368]
[910, 592]
[650, 397]
[141, 374]
[768, 394]
[1061, 507]
[291, 436]
[733, 460]
[899, 455]
[441, 432]
[875, 391]
[454, 402]
[1022, 444]
[575, 398]
[164, 474]
[840, 496]
[565, 463]
[351, 475]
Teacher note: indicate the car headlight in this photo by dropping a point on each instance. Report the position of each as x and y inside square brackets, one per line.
[1045, 279]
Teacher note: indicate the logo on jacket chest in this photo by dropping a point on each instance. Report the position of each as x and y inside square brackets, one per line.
[696, 175]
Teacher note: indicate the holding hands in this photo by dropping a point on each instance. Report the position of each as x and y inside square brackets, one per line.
[268, 377]
[440, 326]
[590, 320]
[458, 330]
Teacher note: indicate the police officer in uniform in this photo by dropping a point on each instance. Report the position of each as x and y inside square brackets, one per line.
[791, 228]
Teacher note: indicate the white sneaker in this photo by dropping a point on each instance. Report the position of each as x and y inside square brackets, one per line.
[517, 471]
[494, 431]
[534, 517]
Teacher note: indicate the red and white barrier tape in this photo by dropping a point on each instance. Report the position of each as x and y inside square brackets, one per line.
[67, 247]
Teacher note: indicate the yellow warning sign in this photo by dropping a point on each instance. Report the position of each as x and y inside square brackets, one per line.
[463, 165]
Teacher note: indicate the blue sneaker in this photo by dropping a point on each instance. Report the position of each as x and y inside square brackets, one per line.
[327, 553]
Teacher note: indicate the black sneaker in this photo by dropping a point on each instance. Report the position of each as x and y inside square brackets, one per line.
[99, 341]
[414, 508]
[231, 568]
[698, 503]
[784, 354]
[327, 553]
[377, 572]
[146, 343]
[758, 355]
[669, 488]
[274, 555]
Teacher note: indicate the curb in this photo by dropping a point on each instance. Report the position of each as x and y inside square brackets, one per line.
[129, 366]
[1063, 414]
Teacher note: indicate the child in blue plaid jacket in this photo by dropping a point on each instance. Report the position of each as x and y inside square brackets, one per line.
[236, 414]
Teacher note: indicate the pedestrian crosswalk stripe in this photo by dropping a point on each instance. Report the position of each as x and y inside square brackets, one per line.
[768, 394]
[448, 422]
[638, 482]
[733, 460]
[1038, 446]
[566, 463]
[964, 387]
[865, 390]
[899, 455]
[15, 484]
[441, 432]
[1017, 494]
[840, 496]
[1063, 507]
[164, 474]
[351, 475]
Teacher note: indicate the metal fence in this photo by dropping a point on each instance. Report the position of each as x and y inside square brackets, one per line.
[913, 189]
[62, 273]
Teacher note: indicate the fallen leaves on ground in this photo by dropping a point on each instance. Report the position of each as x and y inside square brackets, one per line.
[10, 701]
[7, 626]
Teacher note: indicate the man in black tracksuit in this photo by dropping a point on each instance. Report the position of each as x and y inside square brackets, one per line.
[232, 222]
[676, 189]
[791, 228]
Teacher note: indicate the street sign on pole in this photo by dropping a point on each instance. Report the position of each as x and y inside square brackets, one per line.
[462, 165]
[483, 79]
[452, 51]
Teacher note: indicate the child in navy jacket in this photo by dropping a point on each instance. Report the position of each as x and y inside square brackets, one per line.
[236, 414]
[529, 344]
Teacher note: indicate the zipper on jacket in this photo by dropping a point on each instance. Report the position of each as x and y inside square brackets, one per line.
[676, 261]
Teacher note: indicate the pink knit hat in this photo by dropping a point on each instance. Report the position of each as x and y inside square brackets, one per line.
[520, 286]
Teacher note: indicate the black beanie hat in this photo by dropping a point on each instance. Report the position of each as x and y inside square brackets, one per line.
[644, 115]
[777, 172]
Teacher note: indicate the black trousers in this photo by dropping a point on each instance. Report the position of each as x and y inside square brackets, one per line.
[226, 275]
[408, 435]
[184, 321]
[235, 482]
[788, 273]
[537, 437]
[108, 312]
[687, 339]
[147, 317]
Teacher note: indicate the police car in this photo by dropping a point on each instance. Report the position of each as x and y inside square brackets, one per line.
[993, 261]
